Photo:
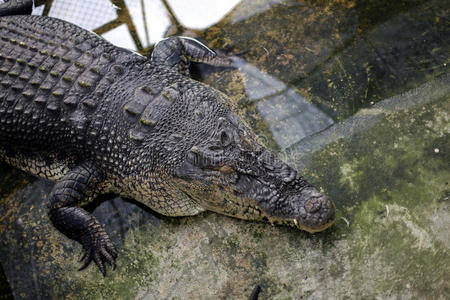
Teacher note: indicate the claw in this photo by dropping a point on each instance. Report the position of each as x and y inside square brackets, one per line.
[255, 293]
[114, 253]
[100, 254]
[108, 258]
[98, 248]
[111, 249]
[87, 259]
[99, 262]
[83, 256]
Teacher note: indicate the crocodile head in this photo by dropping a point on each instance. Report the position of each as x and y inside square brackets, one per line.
[227, 171]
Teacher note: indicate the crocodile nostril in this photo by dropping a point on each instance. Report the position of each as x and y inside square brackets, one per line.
[313, 205]
[290, 176]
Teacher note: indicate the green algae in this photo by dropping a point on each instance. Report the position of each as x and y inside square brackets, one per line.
[395, 175]
[343, 55]
[387, 173]
[394, 250]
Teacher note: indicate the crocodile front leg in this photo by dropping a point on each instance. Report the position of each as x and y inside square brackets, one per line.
[177, 52]
[77, 187]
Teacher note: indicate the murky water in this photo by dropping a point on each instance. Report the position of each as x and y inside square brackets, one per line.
[354, 94]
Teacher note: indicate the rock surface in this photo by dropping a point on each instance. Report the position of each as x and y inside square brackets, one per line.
[382, 156]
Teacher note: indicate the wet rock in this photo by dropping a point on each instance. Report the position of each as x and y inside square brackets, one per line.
[385, 165]
[340, 55]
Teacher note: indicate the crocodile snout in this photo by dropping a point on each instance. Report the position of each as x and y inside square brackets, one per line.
[317, 214]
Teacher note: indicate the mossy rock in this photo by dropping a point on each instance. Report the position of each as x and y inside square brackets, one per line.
[383, 159]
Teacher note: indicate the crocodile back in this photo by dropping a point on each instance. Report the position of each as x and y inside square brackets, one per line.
[67, 93]
[53, 75]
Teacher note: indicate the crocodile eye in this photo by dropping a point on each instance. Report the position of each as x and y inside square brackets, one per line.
[226, 169]
[225, 138]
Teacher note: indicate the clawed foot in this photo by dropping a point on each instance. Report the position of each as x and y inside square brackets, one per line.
[98, 247]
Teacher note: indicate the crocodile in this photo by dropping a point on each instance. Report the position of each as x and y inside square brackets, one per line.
[100, 119]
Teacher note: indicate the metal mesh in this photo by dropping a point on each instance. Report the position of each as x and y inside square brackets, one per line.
[112, 19]
[88, 14]
[101, 16]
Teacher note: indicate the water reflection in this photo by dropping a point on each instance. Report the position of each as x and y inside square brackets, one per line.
[256, 8]
[341, 55]
[300, 153]
[289, 116]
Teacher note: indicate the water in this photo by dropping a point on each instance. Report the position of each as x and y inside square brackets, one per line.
[355, 94]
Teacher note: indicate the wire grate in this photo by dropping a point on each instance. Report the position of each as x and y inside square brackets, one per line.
[87, 14]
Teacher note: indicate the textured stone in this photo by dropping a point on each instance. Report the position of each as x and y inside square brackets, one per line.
[386, 167]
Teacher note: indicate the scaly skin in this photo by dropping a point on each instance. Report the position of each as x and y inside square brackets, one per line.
[16, 7]
[97, 119]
